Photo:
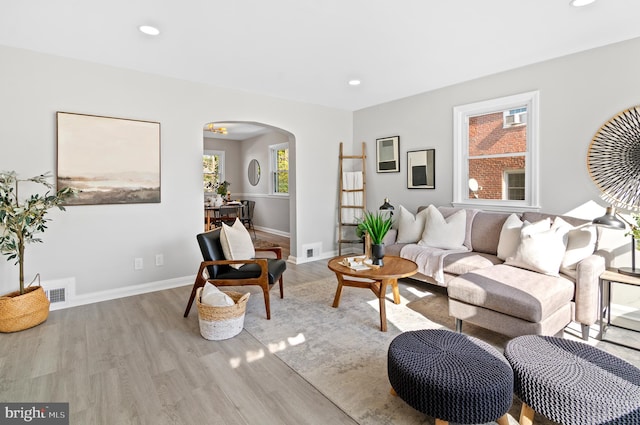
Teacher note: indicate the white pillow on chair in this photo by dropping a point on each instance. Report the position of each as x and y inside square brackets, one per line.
[236, 243]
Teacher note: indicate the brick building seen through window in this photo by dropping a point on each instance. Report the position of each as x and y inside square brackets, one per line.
[497, 143]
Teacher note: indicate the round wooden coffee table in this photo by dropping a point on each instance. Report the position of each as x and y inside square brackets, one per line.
[378, 280]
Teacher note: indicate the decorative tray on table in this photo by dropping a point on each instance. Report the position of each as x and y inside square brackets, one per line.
[358, 263]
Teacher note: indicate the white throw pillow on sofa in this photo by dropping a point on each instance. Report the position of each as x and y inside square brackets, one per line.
[581, 243]
[541, 248]
[410, 227]
[444, 233]
[236, 243]
[509, 237]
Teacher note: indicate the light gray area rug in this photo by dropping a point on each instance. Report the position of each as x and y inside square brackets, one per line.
[342, 352]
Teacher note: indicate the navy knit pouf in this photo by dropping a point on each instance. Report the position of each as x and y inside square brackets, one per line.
[573, 383]
[450, 376]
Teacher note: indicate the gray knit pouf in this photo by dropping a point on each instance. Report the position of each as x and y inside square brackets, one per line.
[450, 376]
[573, 383]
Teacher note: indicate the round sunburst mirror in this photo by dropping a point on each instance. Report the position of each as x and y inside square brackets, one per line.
[613, 159]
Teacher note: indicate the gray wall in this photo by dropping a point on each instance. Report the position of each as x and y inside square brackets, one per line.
[271, 212]
[578, 93]
[233, 161]
[96, 245]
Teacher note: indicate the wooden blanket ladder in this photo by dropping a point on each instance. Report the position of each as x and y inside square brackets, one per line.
[348, 196]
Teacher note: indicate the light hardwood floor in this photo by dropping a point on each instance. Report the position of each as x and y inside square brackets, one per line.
[136, 360]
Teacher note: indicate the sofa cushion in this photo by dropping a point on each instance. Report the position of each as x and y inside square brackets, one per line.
[464, 262]
[444, 233]
[410, 227]
[485, 231]
[513, 291]
[532, 217]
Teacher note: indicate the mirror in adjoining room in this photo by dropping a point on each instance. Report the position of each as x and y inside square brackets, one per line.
[241, 153]
[254, 172]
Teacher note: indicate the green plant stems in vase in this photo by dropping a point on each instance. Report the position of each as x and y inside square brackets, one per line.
[376, 225]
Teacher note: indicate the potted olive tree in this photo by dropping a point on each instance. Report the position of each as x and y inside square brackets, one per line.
[21, 220]
[375, 225]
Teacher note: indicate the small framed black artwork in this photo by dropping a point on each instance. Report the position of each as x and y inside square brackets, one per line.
[421, 169]
[388, 155]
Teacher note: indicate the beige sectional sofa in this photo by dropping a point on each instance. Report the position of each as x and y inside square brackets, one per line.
[500, 277]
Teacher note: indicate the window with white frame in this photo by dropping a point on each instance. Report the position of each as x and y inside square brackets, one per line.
[496, 153]
[279, 168]
[212, 169]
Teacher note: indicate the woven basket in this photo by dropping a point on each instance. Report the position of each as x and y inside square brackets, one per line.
[19, 312]
[218, 323]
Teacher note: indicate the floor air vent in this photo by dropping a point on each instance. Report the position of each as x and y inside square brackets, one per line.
[312, 251]
[59, 292]
[57, 295]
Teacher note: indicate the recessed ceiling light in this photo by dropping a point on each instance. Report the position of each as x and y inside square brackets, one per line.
[149, 30]
[354, 82]
[580, 3]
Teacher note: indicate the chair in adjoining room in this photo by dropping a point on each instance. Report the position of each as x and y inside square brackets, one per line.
[219, 271]
[247, 215]
[227, 215]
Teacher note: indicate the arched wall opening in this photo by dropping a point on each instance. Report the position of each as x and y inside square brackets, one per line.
[243, 142]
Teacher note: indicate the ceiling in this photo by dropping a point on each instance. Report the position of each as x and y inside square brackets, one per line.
[236, 130]
[307, 50]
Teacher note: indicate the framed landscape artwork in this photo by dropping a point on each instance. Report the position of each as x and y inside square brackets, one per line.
[421, 169]
[108, 160]
[388, 155]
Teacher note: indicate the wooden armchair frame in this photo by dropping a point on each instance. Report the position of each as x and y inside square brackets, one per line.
[262, 281]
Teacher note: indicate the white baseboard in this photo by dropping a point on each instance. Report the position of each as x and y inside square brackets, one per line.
[300, 260]
[112, 294]
[272, 231]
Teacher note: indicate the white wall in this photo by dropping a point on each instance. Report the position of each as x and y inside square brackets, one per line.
[578, 94]
[96, 245]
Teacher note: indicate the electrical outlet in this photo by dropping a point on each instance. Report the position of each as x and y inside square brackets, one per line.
[159, 259]
[138, 263]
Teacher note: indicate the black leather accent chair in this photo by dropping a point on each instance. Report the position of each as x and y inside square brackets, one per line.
[263, 272]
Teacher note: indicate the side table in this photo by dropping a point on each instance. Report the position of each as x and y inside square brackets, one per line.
[378, 279]
[606, 279]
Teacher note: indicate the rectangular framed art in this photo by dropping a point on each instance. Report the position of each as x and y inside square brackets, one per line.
[388, 155]
[421, 169]
[108, 160]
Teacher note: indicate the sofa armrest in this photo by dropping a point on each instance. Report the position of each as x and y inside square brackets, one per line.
[588, 273]
[390, 237]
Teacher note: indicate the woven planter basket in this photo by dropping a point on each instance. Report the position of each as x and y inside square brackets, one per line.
[218, 323]
[19, 312]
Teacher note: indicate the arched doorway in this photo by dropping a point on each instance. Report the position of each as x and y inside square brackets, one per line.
[243, 144]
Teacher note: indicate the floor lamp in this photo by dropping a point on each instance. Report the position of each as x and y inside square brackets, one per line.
[613, 162]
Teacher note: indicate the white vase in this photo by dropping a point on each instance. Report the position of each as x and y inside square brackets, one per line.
[218, 201]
